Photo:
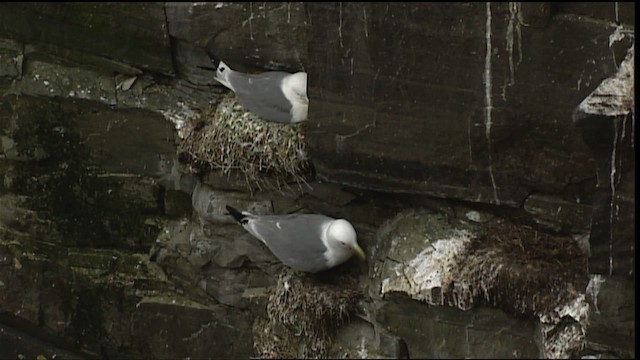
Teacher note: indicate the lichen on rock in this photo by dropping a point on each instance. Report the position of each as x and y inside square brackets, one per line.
[615, 95]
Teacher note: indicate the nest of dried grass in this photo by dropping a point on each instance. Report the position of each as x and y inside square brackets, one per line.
[303, 316]
[230, 138]
[521, 270]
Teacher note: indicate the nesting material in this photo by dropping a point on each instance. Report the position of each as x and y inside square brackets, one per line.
[303, 315]
[508, 266]
[231, 138]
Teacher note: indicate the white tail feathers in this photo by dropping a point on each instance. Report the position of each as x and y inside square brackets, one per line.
[222, 73]
[294, 88]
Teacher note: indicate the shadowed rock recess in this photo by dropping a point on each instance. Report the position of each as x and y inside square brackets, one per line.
[484, 152]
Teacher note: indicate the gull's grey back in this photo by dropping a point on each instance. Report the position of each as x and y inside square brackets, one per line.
[262, 94]
[290, 239]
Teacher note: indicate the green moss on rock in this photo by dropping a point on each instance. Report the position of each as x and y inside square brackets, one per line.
[65, 184]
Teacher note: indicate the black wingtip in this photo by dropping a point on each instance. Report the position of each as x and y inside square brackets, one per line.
[235, 213]
[214, 59]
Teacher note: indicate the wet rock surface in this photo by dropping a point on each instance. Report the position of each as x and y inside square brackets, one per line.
[486, 332]
[139, 40]
[376, 87]
[496, 211]
[606, 120]
[200, 329]
[612, 319]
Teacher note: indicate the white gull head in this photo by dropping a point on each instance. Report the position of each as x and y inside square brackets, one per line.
[341, 241]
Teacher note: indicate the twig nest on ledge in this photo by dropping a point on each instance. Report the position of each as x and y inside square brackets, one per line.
[513, 267]
[231, 138]
[303, 315]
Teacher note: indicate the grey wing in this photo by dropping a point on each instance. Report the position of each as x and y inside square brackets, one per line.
[294, 239]
[262, 94]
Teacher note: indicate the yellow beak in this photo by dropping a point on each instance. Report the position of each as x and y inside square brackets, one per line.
[358, 251]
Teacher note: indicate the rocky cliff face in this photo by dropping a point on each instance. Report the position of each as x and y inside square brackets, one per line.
[483, 151]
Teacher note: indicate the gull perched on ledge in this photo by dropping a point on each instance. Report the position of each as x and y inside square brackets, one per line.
[304, 242]
[276, 96]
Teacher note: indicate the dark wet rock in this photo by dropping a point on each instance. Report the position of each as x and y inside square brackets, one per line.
[64, 73]
[84, 296]
[131, 141]
[233, 252]
[245, 35]
[15, 216]
[177, 204]
[358, 338]
[331, 193]
[210, 204]
[11, 58]
[128, 141]
[81, 201]
[557, 214]
[203, 331]
[171, 99]
[360, 99]
[11, 152]
[20, 339]
[71, 57]
[480, 332]
[46, 79]
[611, 328]
[172, 248]
[172, 176]
[607, 122]
[134, 35]
[355, 339]
[612, 13]
[216, 260]
[235, 287]
[233, 181]
[395, 125]
[144, 195]
[535, 14]
[193, 63]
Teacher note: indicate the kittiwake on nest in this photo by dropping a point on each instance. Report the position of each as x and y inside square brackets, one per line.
[227, 139]
[304, 242]
[273, 95]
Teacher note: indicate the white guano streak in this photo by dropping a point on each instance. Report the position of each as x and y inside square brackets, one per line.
[488, 101]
